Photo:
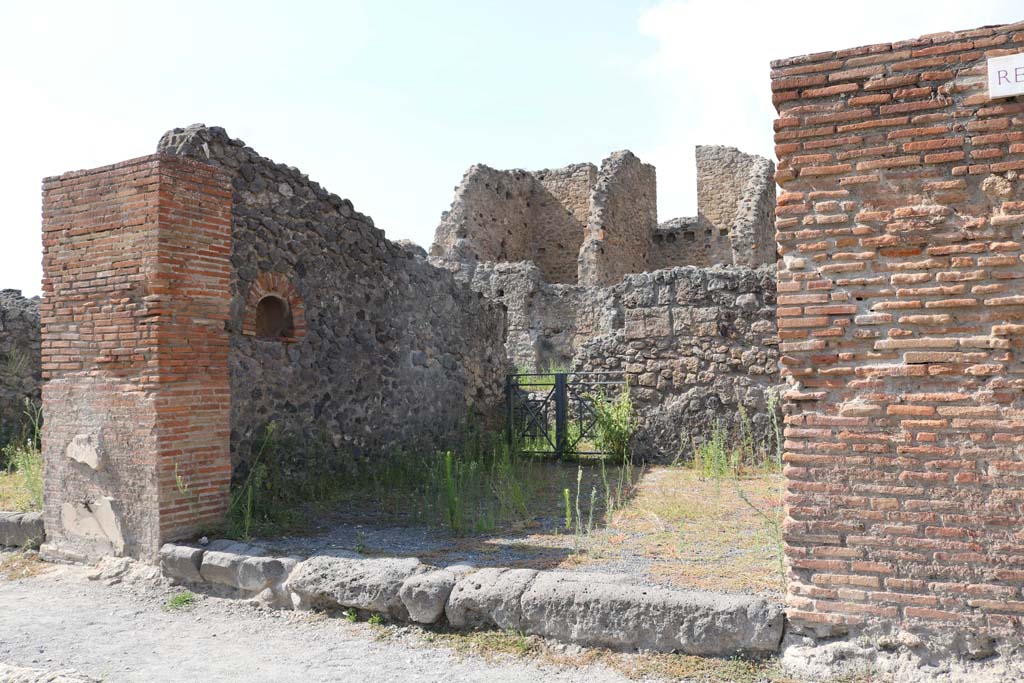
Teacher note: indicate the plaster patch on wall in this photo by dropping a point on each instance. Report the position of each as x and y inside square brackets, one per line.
[97, 523]
[85, 448]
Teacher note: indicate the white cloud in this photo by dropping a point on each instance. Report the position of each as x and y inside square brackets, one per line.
[712, 66]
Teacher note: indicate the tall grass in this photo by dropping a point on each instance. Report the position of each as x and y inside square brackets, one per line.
[616, 424]
[21, 486]
[614, 431]
[477, 487]
[727, 455]
[732, 452]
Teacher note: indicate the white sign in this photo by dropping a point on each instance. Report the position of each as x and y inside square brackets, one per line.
[1006, 76]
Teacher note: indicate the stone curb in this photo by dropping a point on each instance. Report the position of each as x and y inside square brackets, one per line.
[22, 529]
[590, 609]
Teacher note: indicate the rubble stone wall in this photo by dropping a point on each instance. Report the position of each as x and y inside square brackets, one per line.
[688, 242]
[512, 215]
[557, 241]
[393, 352]
[589, 227]
[547, 323]
[901, 317]
[623, 217]
[697, 345]
[735, 200]
[19, 362]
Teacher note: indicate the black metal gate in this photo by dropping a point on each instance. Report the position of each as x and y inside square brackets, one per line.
[555, 413]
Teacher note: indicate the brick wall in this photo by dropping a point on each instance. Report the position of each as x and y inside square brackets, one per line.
[134, 352]
[901, 319]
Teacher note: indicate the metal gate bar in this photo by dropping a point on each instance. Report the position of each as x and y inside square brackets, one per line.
[572, 397]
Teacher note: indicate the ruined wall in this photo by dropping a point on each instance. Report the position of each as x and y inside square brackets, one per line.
[20, 373]
[556, 240]
[509, 216]
[623, 215]
[900, 315]
[581, 226]
[489, 217]
[391, 352]
[735, 201]
[752, 236]
[695, 344]
[571, 185]
[136, 402]
[547, 323]
[687, 242]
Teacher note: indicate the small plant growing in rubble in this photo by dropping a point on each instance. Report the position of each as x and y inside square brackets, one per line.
[180, 601]
[568, 509]
[715, 458]
[360, 546]
[351, 615]
[376, 620]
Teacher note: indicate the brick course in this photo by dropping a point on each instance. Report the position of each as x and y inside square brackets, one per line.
[901, 301]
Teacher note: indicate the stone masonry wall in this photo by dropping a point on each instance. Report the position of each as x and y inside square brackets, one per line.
[571, 185]
[547, 324]
[557, 241]
[134, 354]
[687, 242]
[735, 199]
[489, 217]
[901, 317]
[581, 226]
[19, 362]
[696, 344]
[392, 352]
[509, 216]
[623, 216]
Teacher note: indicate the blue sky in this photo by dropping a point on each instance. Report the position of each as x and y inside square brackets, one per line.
[387, 103]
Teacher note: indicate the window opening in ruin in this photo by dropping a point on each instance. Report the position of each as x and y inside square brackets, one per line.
[274, 319]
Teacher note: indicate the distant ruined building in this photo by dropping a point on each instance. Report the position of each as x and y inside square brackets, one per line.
[591, 281]
[589, 226]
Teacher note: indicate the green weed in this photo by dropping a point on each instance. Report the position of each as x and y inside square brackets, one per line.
[180, 601]
[726, 455]
[616, 424]
[21, 486]
[473, 488]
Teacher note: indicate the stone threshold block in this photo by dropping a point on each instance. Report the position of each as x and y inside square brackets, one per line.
[589, 609]
[21, 529]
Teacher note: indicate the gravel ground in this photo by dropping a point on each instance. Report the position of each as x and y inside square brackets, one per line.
[116, 628]
[543, 546]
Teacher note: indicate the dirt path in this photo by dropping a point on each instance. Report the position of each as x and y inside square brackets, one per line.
[62, 620]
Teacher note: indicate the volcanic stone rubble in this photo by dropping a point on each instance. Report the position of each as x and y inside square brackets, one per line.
[19, 361]
[586, 609]
[383, 333]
